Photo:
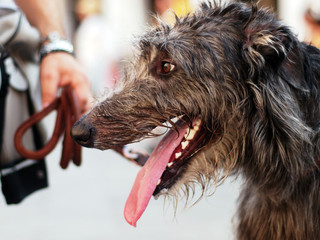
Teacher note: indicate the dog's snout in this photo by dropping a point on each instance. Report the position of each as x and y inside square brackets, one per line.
[83, 134]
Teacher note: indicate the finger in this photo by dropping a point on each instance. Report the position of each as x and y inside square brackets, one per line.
[82, 89]
[49, 85]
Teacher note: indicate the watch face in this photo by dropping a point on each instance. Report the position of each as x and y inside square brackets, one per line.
[54, 36]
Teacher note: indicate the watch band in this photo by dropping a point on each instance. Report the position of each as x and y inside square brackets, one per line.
[55, 43]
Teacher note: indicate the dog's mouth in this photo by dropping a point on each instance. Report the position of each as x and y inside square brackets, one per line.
[165, 165]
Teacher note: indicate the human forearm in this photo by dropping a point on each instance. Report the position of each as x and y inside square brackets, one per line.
[58, 68]
[42, 14]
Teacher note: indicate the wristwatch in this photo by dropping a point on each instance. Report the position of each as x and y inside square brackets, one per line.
[55, 43]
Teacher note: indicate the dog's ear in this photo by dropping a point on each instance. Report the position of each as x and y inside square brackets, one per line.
[266, 43]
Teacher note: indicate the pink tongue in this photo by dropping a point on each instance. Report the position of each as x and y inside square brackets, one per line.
[148, 177]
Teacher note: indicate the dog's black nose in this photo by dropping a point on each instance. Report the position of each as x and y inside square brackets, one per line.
[83, 134]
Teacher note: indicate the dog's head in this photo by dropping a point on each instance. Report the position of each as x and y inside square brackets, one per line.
[200, 72]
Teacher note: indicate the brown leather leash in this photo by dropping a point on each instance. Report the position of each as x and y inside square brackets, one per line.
[67, 114]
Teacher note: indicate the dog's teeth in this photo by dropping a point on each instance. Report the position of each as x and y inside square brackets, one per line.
[190, 134]
[197, 125]
[159, 181]
[197, 122]
[177, 155]
[184, 144]
[170, 164]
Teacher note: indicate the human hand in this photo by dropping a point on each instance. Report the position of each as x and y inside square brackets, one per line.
[59, 69]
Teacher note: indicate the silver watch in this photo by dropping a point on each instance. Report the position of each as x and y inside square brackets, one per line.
[55, 44]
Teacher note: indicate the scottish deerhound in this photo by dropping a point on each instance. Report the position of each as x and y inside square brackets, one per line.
[246, 94]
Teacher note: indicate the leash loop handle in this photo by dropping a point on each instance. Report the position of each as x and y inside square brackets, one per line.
[67, 114]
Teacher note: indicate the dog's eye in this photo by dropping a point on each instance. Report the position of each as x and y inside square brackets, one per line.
[167, 67]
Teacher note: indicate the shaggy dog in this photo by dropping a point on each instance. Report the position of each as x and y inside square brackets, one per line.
[245, 93]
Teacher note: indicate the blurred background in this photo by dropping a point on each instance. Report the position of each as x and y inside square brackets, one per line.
[87, 202]
[103, 30]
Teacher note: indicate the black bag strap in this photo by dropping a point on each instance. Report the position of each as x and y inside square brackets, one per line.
[36, 132]
[5, 80]
[5, 84]
[3, 94]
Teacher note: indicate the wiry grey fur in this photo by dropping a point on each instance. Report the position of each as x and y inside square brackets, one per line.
[256, 89]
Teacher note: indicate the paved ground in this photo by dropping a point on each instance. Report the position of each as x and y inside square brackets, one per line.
[87, 202]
